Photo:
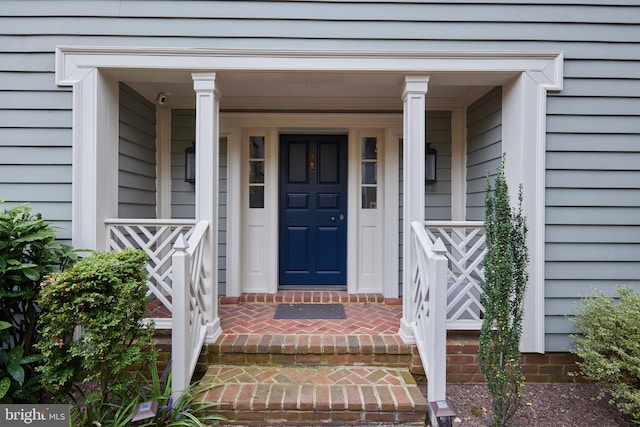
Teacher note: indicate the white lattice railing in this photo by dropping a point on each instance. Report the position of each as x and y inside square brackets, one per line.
[444, 292]
[156, 237]
[192, 308]
[429, 315]
[466, 248]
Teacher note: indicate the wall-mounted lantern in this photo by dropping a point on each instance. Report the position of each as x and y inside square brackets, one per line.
[190, 164]
[431, 164]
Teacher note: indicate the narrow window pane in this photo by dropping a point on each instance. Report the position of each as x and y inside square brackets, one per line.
[369, 198]
[370, 148]
[256, 147]
[256, 172]
[370, 173]
[256, 196]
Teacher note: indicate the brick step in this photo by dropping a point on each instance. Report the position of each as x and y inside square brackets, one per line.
[314, 349]
[310, 297]
[252, 395]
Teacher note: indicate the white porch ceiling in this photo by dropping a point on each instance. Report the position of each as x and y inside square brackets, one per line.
[293, 90]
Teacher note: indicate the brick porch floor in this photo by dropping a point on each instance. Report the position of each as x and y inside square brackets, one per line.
[366, 315]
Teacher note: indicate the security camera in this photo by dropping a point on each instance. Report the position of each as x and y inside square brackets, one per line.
[162, 98]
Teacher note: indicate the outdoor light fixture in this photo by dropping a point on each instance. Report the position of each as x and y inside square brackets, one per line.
[145, 411]
[190, 164]
[443, 413]
[430, 165]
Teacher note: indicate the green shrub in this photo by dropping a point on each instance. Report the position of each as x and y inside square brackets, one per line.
[29, 252]
[505, 283]
[608, 346]
[105, 296]
[15, 384]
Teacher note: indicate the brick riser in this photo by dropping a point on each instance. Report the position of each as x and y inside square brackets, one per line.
[380, 350]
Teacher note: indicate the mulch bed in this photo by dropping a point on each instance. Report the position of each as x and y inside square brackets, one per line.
[570, 405]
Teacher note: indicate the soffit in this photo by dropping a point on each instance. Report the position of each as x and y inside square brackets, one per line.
[271, 90]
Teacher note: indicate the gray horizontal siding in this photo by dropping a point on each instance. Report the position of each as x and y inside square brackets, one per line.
[39, 118]
[585, 233]
[484, 149]
[593, 196]
[183, 128]
[137, 156]
[35, 137]
[438, 194]
[432, 11]
[348, 28]
[594, 117]
[35, 100]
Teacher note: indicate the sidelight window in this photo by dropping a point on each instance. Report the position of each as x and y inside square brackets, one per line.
[256, 171]
[369, 177]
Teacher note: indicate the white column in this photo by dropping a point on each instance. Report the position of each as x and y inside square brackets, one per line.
[207, 161]
[95, 159]
[524, 103]
[414, 108]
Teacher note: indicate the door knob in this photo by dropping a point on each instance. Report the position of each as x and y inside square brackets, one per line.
[333, 218]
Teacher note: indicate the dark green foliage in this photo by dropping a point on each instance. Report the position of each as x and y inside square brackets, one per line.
[104, 295]
[505, 282]
[608, 345]
[16, 385]
[28, 253]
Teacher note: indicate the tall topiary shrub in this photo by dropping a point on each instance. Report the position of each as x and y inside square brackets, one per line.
[608, 346]
[104, 295]
[29, 252]
[505, 266]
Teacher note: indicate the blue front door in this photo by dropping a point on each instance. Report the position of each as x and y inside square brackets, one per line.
[313, 209]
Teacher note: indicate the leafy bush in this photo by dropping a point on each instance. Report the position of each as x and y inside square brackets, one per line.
[608, 345]
[505, 283]
[105, 296]
[14, 383]
[28, 253]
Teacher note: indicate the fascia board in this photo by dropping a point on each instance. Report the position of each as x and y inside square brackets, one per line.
[72, 62]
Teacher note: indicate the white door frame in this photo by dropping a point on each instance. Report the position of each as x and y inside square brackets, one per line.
[360, 278]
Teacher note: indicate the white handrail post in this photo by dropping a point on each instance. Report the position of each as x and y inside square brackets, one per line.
[437, 386]
[180, 347]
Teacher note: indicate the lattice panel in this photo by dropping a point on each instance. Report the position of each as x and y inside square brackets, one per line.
[157, 241]
[465, 252]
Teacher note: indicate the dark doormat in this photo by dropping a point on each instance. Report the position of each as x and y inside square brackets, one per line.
[310, 311]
